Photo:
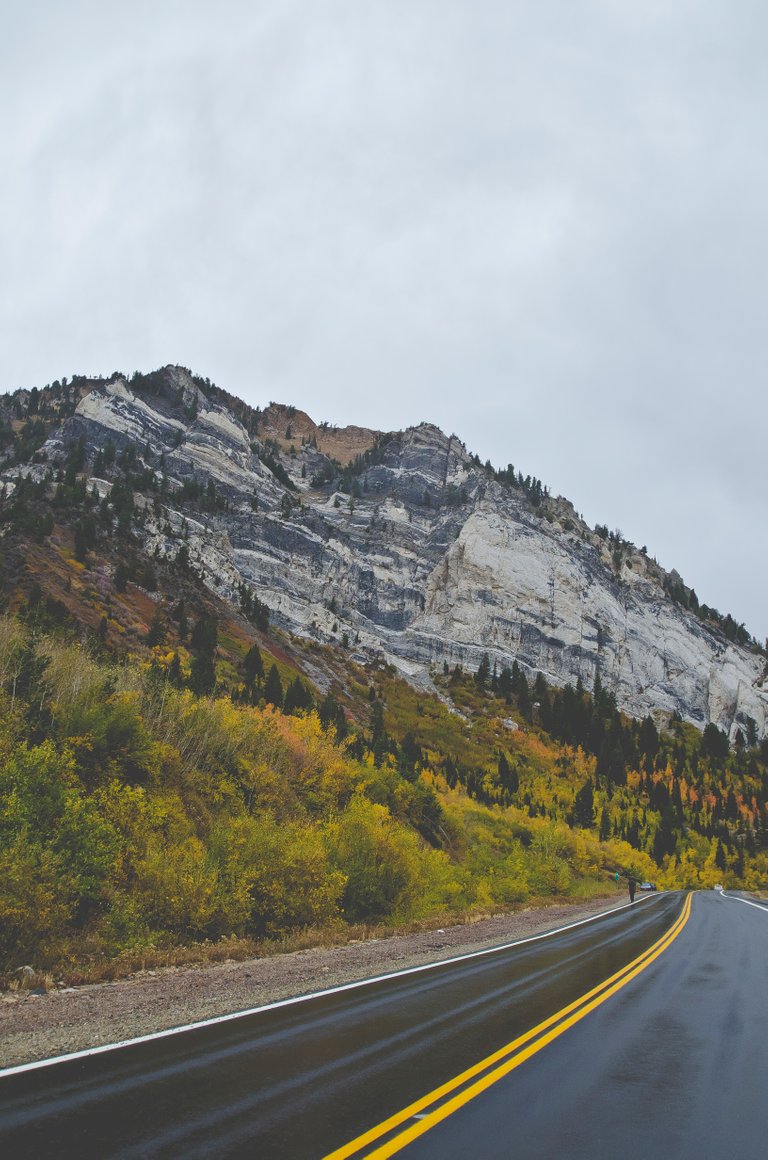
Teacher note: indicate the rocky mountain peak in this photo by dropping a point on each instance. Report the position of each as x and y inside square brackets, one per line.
[398, 545]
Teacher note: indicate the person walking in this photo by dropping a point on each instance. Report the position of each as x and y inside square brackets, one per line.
[632, 884]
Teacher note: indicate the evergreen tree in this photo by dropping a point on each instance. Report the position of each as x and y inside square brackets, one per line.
[273, 688]
[738, 865]
[584, 807]
[297, 698]
[179, 614]
[253, 665]
[377, 721]
[665, 838]
[205, 634]
[85, 537]
[331, 713]
[174, 671]
[410, 757]
[505, 684]
[202, 678]
[605, 825]
[524, 698]
[483, 672]
[714, 743]
[508, 778]
[121, 577]
[648, 741]
[156, 634]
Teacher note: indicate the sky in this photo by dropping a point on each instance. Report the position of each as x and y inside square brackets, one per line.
[540, 225]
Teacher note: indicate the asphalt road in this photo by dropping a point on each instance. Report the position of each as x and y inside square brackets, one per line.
[643, 1033]
[674, 1065]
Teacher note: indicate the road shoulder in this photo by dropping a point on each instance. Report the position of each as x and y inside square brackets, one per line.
[40, 1026]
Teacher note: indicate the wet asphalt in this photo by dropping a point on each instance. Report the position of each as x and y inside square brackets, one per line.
[673, 1065]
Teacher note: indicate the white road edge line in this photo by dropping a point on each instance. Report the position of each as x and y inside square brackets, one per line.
[104, 1047]
[732, 897]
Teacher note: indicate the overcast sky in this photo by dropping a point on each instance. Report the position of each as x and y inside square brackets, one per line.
[541, 225]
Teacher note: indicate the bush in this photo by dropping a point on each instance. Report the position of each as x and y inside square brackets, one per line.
[36, 904]
[274, 876]
[389, 872]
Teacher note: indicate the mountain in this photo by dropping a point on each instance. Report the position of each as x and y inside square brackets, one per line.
[400, 547]
[205, 734]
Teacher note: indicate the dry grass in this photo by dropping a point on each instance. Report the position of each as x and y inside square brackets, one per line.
[28, 979]
[98, 968]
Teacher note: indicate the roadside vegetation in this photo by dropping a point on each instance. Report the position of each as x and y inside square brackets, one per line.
[196, 802]
[137, 815]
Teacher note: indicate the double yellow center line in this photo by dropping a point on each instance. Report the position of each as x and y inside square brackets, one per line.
[431, 1109]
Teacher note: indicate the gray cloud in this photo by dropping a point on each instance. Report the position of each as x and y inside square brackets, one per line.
[539, 225]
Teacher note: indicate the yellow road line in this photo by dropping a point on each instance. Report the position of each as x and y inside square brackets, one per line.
[513, 1054]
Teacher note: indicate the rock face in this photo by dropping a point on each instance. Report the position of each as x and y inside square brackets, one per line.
[424, 557]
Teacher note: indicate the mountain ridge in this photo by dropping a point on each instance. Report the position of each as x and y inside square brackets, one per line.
[398, 546]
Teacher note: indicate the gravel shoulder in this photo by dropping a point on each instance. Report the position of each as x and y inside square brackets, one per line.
[42, 1026]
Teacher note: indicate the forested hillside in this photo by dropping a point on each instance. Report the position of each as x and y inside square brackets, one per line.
[137, 813]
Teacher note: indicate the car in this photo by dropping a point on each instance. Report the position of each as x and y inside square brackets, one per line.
[647, 885]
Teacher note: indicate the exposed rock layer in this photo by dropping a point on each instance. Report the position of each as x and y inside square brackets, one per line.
[430, 560]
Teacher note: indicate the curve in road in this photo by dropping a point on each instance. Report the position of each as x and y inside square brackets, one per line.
[673, 1067]
[435, 1107]
[298, 1080]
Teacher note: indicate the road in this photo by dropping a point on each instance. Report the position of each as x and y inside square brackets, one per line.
[644, 1032]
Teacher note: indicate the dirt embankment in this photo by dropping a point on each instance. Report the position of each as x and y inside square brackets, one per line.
[40, 1026]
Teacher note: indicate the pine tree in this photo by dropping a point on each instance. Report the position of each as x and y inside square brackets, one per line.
[605, 825]
[156, 634]
[205, 634]
[297, 698]
[524, 698]
[331, 713]
[483, 672]
[202, 678]
[505, 684]
[508, 778]
[584, 807]
[273, 688]
[174, 671]
[253, 665]
[121, 577]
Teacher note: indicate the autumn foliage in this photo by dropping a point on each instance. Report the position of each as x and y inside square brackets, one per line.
[135, 813]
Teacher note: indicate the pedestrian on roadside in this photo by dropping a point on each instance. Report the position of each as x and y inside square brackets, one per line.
[632, 884]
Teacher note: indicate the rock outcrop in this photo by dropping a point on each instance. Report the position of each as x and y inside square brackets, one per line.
[426, 557]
